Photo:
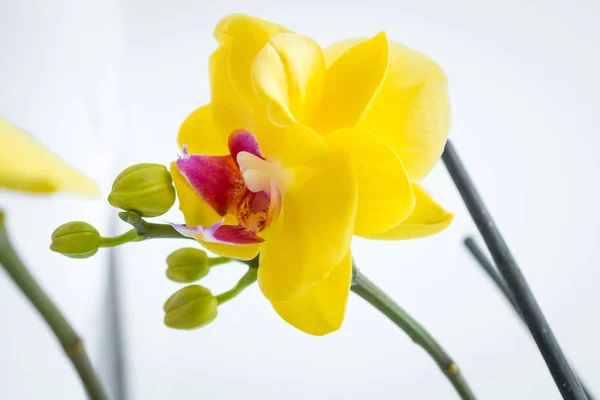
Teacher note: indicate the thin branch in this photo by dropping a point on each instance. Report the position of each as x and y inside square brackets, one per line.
[369, 292]
[72, 344]
[565, 379]
[490, 269]
[492, 272]
[248, 279]
[148, 230]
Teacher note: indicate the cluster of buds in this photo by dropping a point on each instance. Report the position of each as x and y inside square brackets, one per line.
[146, 191]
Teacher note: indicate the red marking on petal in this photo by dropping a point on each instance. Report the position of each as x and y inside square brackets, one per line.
[242, 140]
[236, 235]
[216, 179]
[198, 232]
[219, 233]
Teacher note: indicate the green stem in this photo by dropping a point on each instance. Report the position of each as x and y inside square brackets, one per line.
[369, 292]
[218, 261]
[68, 338]
[147, 230]
[127, 237]
[248, 279]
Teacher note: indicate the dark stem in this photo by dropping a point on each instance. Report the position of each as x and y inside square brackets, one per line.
[492, 272]
[565, 379]
[369, 292]
[72, 344]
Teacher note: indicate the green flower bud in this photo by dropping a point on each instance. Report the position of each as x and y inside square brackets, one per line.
[191, 307]
[144, 188]
[187, 265]
[76, 240]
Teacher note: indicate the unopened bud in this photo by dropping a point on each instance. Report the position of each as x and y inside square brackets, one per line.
[144, 188]
[76, 240]
[189, 308]
[187, 265]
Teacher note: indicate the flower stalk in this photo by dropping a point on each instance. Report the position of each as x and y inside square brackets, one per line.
[248, 279]
[564, 377]
[369, 292]
[490, 269]
[66, 335]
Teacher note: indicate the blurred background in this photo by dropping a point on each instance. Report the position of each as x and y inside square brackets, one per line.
[105, 84]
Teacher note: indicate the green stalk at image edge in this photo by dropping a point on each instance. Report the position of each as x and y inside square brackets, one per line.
[65, 334]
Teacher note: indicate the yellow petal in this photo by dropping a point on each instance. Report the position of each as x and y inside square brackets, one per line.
[320, 309]
[230, 110]
[199, 133]
[247, 36]
[234, 103]
[385, 196]
[197, 212]
[411, 110]
[351, 82]
[28, 166]
[334, 51]
[301, 146]
[428, 218]
[315, 227]
[288, 77]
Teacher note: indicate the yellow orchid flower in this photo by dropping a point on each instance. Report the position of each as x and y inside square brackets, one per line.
[26, 165]
[301, 148]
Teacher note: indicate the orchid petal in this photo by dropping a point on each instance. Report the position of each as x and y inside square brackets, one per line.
[199, 133]
[28, 166]
[411, 110]
[351, 83]
[288, 75]
[216, 179]
[320, 309]
[312, 234]
[234, 103]
[427, 218]
[385, 195]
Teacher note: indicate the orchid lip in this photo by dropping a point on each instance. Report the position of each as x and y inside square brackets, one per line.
[243, 184]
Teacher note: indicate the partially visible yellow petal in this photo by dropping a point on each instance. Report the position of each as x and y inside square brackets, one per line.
[412, 110]
[234, 103]
[351, 83]
[320, 309]
[247, 36]
[385, 196]
[28, 166]
[199, 133]
[197, 212]
[288, 77]
[315, 227]
[230, 110]
[428, 218]
[335, 51]
[300, 146]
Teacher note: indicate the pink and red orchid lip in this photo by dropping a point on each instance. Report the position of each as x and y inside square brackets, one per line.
[223, 184]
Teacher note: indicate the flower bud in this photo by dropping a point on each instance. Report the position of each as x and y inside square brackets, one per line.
[144, 188]
[187, 265]
[189, 308]
[76, 240]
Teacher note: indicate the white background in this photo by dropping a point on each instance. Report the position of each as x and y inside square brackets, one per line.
[106, 84]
